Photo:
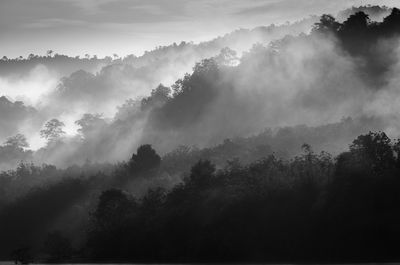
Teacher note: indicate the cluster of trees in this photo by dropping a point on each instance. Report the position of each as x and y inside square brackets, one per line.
[49, 54]
[310, 208]
[182, 53]
[244, 199]
[224, 96]
[36, 203]
[59, 63]
[15, 149]
[214, 93]
[361, 37]
[375, 12]
[282, 142]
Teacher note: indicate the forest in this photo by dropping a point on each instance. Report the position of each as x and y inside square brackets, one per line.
[282, 148]
[311, 208]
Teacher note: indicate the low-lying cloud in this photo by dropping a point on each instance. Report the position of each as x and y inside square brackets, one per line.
[275, 80]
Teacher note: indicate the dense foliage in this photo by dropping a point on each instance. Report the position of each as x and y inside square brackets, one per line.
[253, 199]
[310, 208]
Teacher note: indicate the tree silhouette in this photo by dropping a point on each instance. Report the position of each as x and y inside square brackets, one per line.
[327, 24]
[145, 158]
[110, 223]
[52, 130]
[158, 97]
[202, 173]
[375, 149]
[113, 205]
[391, 22]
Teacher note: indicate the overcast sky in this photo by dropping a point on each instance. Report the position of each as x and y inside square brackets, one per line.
[104, 27]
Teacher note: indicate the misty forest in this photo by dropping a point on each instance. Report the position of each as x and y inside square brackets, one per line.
[272, 144]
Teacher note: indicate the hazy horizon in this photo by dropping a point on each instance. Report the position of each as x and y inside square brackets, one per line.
[105, 27]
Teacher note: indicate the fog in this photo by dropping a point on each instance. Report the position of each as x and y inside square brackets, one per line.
[267, 77]
[128, 157]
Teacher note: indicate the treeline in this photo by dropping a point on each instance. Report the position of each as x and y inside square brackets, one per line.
[375, 12]
[239, 40]
[224, 96]
[60, 63]
[284, 143]
[363, 38]
[242, 200]
[216, 94]
[313, 208]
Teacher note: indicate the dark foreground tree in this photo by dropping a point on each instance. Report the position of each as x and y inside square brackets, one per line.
[146, 158]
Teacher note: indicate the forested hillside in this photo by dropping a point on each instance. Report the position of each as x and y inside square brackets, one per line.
[277, 144]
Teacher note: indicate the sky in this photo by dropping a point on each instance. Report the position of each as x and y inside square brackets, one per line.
[105, 27]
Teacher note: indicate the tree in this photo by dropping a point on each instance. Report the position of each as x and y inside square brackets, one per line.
[90, 123]
[52, 130]
[17, 141]
[227, 57]
[369, 153]
[110, 223]
[112, 209]
[327, 24]
[202, 173]
[49, 53]
[356, 24]
[391, 22]
[146, 158]
[153, 199]
[375, 149]
[206, 67]
[158, 97]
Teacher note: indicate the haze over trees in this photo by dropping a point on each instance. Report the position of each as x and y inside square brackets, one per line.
[277, 144]
[227, 95]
